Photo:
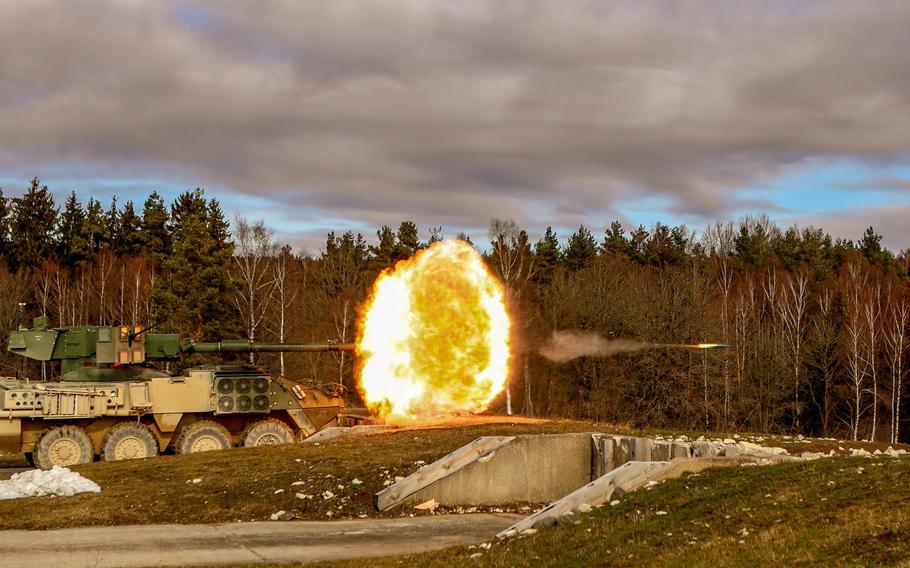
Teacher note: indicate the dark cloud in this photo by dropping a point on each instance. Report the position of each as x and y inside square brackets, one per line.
[453, 112]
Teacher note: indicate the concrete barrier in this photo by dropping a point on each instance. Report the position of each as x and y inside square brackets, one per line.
[495, 470]
[625, 478]
[521, 469]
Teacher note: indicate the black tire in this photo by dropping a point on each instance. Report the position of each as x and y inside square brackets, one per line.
[129, 441]
[202, 436]
[64, 446]
[269, 432]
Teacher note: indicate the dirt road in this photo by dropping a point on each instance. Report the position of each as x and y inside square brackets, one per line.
[292, 541]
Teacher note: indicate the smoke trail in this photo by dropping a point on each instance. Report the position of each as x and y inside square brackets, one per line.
[567, 345]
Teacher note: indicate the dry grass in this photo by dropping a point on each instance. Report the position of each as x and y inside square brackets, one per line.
[821, 513]
[251, 484]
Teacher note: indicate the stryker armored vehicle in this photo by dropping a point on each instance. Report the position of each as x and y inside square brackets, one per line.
[112, 402]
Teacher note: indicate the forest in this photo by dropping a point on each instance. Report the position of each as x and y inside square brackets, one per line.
[817, 325]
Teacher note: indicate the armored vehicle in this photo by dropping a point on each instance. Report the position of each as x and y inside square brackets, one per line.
[112, 402]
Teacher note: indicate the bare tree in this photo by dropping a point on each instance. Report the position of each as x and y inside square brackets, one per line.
[854, 283]
[104, 265]
[253, 250]
[871, 315]
[895, 333]
[513, 261]
[725, 285]
[791, 306]
[285, 294]
[822, 348]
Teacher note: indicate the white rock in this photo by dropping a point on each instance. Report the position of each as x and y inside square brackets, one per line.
[660, 513]
[427, 505]
[278, 515]
[327, 495]
[296, 483]
[614, 502]
[356, 481]
[584, 508]
[476, 555]
[279, 491]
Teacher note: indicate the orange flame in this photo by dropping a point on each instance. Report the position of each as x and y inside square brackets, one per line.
[434, 335]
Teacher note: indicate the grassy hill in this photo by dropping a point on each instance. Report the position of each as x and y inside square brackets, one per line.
[839, 511]
[832, 512]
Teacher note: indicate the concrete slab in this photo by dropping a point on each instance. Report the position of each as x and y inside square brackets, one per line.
[244, 543]
[327, 434]
[623, 450]
[625, 477]
[483, 448]
[526, 469]
[628, 477]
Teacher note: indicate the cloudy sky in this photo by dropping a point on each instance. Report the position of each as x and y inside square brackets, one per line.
[335, 115]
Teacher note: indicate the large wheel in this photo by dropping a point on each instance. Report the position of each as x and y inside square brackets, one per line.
[129, 441]
[270, 432]
[64, 446]
[202, 436]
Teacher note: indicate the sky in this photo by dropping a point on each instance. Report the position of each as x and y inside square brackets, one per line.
[347, 115]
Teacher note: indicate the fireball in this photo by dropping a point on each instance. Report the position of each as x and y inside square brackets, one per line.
[434, 335]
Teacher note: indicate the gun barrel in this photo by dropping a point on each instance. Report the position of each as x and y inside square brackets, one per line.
[243, 346]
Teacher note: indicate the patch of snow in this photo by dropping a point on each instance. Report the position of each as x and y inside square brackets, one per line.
[59, 481]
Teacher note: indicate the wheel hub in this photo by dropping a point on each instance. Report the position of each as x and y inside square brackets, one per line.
[130, 448]
[65, 452]
[205, 444]
[268, 440]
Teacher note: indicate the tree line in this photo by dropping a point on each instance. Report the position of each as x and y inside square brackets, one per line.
[817, 325]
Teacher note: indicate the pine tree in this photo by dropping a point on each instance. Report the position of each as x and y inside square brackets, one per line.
[193, 294]
[74, 248]
[112, 227]
[156, 241]
[95, 226]
[4, 226]
[130, 239]
[547, 256]
[33, 226]
[581, 250]
[615, 241]
[383, 254]
[406, 241]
